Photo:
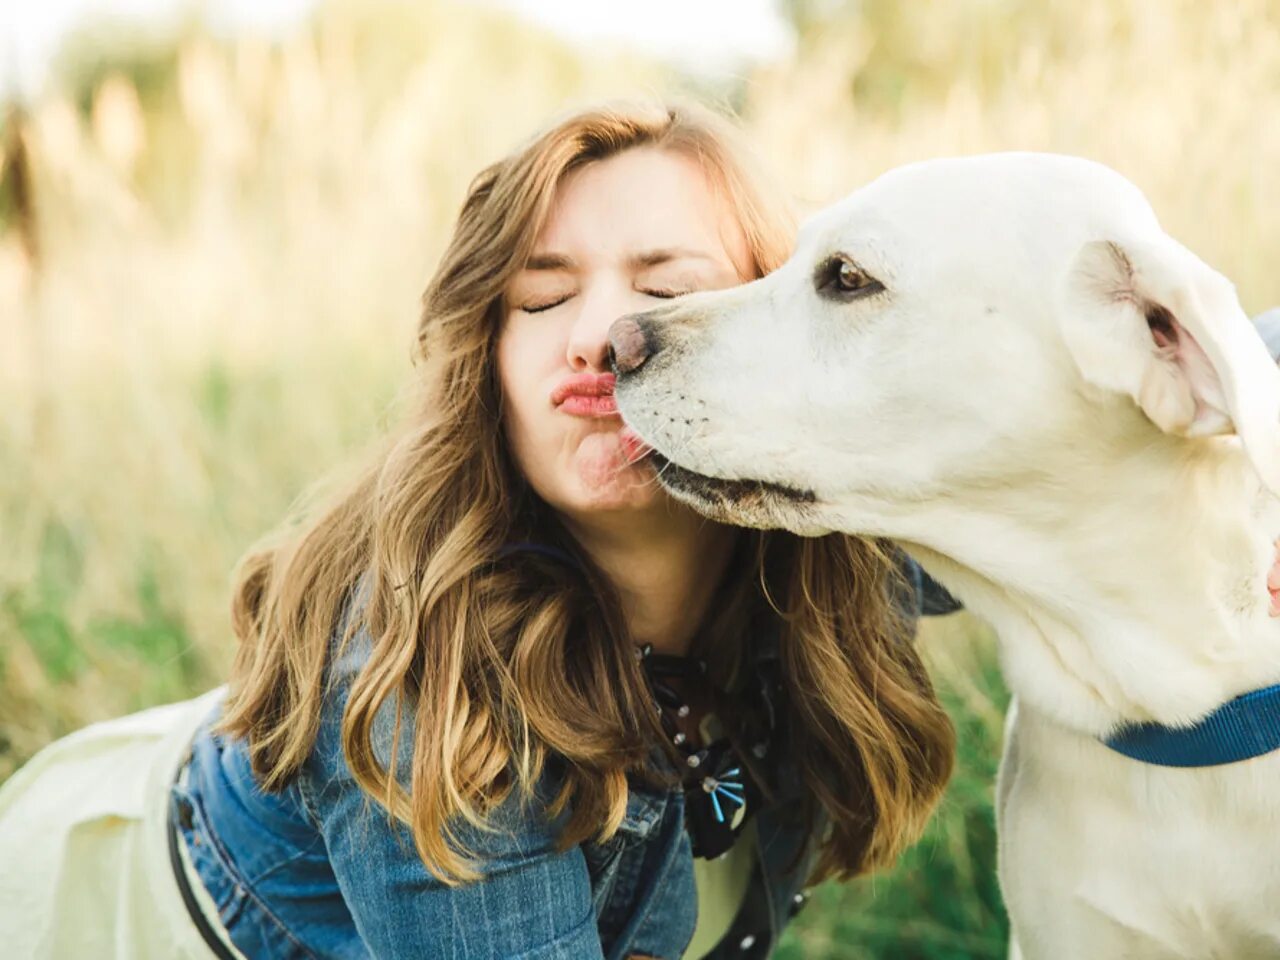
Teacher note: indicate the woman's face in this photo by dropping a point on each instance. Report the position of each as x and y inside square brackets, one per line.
[623, 234]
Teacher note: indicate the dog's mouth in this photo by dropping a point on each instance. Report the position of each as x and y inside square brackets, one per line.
[730, 496]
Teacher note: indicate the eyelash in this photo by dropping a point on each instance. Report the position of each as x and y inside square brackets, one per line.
[662, 294]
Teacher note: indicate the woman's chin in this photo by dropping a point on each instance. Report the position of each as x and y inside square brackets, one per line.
[618, 487]
[602, 477]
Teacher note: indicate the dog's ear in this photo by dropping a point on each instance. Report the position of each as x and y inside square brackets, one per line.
[1150, 319]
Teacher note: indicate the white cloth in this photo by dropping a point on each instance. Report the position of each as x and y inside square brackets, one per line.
[84, 857]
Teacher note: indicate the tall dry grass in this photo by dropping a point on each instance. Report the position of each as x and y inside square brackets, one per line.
[221, 309]
[1182, 97]
[215, 305]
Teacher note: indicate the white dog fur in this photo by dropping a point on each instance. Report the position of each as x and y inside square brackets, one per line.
[1068, 420]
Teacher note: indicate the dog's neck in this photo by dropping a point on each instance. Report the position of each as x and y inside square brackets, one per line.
[1122, 589]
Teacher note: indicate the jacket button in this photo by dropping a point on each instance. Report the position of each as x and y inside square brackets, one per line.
[798, 902]
[747, 942]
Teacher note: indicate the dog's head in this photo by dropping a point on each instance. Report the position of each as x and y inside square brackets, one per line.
[946, 328]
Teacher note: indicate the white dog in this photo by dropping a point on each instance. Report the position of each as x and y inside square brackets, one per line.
[1004, 364]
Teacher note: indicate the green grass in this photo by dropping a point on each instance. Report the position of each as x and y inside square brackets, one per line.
[941, 901]
[154, 637]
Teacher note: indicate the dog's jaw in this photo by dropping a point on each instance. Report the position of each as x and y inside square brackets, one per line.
[748, 503]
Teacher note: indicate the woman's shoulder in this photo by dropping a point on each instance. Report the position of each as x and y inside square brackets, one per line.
[347, 654]
[520, 822]
[349, 651]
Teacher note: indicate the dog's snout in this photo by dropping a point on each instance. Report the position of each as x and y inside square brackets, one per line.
[631, 343]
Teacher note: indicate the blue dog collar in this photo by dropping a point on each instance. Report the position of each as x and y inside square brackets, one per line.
[1240, 729]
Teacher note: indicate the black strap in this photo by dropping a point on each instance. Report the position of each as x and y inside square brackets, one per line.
[207, 932]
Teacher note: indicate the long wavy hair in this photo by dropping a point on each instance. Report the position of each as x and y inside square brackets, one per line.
[496, 663]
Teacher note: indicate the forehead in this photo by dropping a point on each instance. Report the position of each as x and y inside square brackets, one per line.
[641, 198]
[1021, 205]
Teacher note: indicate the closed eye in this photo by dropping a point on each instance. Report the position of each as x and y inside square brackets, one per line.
[661, 294]
[539, 308]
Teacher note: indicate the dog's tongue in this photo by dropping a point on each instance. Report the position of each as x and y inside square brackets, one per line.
[634, 448]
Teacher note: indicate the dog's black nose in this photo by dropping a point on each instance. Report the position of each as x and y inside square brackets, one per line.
[630, 343]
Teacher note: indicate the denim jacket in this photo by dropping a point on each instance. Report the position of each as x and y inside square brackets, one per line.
[320, 870]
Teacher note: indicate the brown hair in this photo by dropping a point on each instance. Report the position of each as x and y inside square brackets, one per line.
[504, 663]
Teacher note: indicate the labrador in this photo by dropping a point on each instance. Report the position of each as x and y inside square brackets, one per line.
[1004, 364]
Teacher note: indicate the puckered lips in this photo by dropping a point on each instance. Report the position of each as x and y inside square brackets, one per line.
[590, 395]
[586, 395]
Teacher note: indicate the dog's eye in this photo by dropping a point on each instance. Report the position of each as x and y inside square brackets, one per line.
[850, 278]
[840, 278]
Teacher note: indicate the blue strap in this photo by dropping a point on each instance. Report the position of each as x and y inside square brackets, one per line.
[1240, 729]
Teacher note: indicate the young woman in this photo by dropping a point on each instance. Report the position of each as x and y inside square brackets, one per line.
[502, 697]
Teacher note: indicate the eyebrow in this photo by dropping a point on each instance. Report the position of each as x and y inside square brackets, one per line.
[637, 260]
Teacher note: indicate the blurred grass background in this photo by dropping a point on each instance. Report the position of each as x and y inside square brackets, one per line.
[211, 252]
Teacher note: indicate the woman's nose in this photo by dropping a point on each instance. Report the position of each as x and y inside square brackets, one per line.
[589, 338]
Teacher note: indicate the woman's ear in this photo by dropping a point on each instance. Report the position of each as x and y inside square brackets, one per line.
[1148, 318]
